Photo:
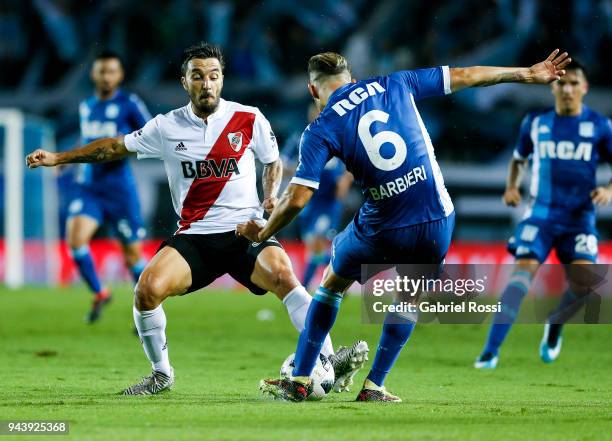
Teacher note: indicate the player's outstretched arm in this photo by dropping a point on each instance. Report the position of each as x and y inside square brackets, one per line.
[512, 194]
[545, 72]
[293, 200]
[101, 150]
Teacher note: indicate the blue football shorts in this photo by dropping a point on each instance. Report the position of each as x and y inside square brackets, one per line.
[535, 238]
[119, 209]
[425, 243]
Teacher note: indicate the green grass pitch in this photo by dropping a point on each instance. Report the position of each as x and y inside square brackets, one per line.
[54, 367]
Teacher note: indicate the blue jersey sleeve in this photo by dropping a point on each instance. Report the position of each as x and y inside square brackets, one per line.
[139, 114]
[314, 154]
[524, 143]
[424, 83]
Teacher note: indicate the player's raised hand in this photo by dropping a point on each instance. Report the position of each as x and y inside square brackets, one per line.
[269, 204]
[550, 69]
[601, 196]
[250, 230]
[512, 197]
[41, 158]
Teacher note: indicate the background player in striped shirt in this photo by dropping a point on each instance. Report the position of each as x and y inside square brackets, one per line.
[564, 144]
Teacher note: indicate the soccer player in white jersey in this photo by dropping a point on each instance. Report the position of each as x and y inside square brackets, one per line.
[208, 148]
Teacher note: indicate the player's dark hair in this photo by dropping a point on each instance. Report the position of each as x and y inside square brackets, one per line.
[201, 50]
[107, 54]
[576, 65]
[327, 64]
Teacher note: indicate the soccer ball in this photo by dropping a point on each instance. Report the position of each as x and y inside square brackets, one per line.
[322, 376]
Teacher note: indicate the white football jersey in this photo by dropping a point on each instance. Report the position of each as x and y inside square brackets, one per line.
[210, 166]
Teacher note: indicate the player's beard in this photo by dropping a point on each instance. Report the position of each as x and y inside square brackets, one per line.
[208, 107]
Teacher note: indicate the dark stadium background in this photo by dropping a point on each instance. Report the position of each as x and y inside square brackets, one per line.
[47, 46]
[222, 340]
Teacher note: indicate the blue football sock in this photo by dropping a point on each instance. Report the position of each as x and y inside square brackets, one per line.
[395, 333]
[136, 270]
[511, 300]
[85, 264]
[568, 306]
[311, 268]
[319, 321]
[313, 263]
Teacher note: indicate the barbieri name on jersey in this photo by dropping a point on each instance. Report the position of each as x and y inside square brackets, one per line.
[398, 185]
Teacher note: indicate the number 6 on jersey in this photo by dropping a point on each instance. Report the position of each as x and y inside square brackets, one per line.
[374, 143]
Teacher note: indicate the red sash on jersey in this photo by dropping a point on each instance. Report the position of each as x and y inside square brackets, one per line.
[203, 193]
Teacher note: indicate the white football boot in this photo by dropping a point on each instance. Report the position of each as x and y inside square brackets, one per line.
[347, 362]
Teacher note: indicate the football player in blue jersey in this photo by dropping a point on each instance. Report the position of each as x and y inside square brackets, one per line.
[106, 193]
[564, 144]
[320, 219]
[374, 127]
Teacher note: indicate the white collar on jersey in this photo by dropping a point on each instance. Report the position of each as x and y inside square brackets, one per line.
[195, 118]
